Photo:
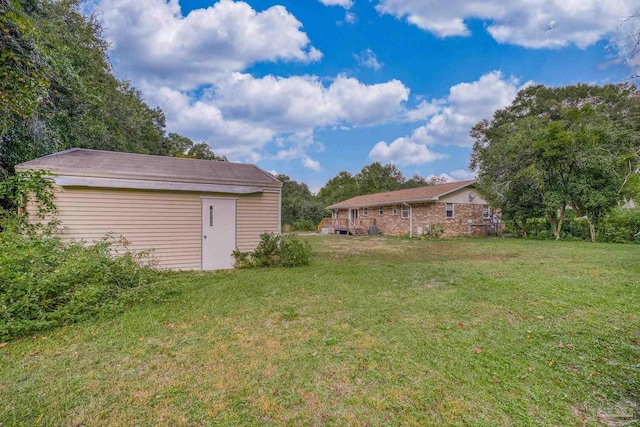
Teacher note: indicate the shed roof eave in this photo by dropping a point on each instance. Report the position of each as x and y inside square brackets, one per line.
[151, 178]
[72, 181]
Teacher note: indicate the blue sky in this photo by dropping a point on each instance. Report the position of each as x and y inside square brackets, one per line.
[313, 87]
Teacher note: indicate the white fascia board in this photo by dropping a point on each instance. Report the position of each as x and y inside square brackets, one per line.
[76, 181]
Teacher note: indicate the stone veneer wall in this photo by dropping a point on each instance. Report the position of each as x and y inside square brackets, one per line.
[426, 214]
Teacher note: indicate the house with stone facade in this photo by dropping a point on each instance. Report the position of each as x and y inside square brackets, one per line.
[448, 210]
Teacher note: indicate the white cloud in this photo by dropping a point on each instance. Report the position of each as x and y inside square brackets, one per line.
[347, 4]
[532, 24]
[627, 40]
[461, 175]
[151, 39]
[423, 111]
[296, 146]
[241, 114]
[403, 151]
[366, 105]
[203, 121]
[452, 119]
[309, 163]
[453, 176]
[302, 102]
[368, 58]
[467, 104]
[350, 18]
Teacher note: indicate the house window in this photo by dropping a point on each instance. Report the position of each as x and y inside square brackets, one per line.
[405, 211]
[449, 210]
[365, 211]
[395, 209]
[334, 214]
[486, 212]
[380, 210]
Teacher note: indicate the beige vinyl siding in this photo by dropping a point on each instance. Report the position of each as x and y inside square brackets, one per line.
[167, 222]
[464, 196]
[256, 214]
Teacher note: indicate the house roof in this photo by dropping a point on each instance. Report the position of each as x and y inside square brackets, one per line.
[420, 194]
[109, 164]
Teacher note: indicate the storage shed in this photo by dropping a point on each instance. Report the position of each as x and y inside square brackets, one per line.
[191, 213]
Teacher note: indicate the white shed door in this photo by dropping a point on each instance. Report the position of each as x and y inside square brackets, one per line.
[218, 233]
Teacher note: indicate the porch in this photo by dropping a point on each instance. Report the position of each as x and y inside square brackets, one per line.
[354, 227]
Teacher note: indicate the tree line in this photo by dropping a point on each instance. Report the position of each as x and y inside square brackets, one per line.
[58, 90]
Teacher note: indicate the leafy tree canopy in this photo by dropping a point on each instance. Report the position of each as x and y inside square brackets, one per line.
[181, 146]
[299, 204]
[373, 178]
[343, 186]
[576, 146]
[376, 178]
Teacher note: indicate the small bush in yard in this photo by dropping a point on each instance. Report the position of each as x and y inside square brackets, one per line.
[267, 253]
[294, 252]
[275, 251]
[45, 282]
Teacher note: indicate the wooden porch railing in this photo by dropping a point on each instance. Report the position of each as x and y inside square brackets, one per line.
[345, 224]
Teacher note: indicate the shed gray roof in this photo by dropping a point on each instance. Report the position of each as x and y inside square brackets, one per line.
[109, 164]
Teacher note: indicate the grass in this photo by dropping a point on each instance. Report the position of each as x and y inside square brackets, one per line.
[376, 331]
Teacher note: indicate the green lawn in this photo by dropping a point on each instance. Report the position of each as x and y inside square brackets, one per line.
[375, 331]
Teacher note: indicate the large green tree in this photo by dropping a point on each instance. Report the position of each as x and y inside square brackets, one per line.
[58, 90]
[576, 146]
[376, 178]
[181, 146]
[373, 178]
[298, 203]
[341, 187]
[416, 181]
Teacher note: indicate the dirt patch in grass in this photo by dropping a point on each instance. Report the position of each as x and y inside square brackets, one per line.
[354, 244]
[626, 413]
[393, 249]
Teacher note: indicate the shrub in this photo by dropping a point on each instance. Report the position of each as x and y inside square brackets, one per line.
[620, 225]
[243, 259]
[45, 282]
[17, 191]
[294, 252]
[275, 251]
[433, 231]
[304, 225]
[267, 253]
